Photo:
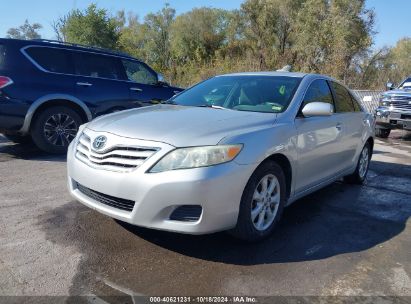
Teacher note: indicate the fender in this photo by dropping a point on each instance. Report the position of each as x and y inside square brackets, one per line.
[35, 105]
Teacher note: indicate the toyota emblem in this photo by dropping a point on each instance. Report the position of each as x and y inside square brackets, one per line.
[99, 142]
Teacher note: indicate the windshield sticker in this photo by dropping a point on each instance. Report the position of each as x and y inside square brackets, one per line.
[282, 90]
[276, 108]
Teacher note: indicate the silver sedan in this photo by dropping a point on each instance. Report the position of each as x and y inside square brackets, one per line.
[227, 154]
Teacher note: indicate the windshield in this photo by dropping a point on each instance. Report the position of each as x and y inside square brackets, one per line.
[406, 84]
[271, 94]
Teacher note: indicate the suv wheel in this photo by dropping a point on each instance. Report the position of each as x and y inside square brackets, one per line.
[54, 128]
[360, 173]
[382, 133]
[262, 203]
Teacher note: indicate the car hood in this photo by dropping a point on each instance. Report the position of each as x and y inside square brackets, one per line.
[181, 126]
[398, 92]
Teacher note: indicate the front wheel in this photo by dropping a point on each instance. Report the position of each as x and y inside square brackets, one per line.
[360, 173]
[54, 128]
[382, 133]
[262, 203]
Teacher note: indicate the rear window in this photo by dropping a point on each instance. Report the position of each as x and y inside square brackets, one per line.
[2, 55]
[51, 59]
[94, 65]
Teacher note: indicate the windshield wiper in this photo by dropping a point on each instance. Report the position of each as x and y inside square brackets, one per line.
[212, 106]
[168, 102]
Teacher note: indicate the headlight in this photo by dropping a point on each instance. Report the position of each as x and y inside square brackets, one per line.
[80, 129]
[385, 100]
[185, 158]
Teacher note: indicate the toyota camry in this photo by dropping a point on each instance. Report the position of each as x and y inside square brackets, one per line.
[226, 154]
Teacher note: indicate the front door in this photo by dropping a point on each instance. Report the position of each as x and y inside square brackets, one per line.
[100, 83]
[319, 141]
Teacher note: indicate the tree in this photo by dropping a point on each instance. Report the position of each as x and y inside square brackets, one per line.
[26, 31]
[330, 34]
[93, 26]
[157, 29]
[269, 28]
[198, 34]
[400, 60]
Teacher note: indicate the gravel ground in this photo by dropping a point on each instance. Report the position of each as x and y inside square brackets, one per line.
[344, 240]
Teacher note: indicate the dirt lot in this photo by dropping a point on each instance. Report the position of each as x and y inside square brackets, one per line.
[342, 240]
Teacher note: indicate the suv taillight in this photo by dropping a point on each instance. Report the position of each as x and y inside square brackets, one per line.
[5, 81]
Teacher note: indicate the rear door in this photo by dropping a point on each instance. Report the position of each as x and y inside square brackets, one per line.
[100, 82]
[318, 140]
[143, 83]
[353, 120]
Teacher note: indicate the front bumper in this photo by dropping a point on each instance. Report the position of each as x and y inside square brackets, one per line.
[217, 189]
[388, 118]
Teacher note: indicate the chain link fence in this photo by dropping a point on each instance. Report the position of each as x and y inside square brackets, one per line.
[369, 99]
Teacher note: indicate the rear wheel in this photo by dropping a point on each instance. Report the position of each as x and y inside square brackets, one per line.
[382, 133]
[360, 173]
[54, 128]
[262, 203]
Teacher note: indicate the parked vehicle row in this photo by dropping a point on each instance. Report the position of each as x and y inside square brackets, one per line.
[48, 89]
[227, 154]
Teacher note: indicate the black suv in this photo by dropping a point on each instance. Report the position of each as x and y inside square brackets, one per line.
[48, 89]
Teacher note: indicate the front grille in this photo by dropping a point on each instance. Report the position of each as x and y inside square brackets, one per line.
[187, 213]
[115, 158]
[105, 199]
[401, 102]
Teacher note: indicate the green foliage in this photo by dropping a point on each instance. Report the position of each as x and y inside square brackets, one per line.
[26, 31]
[198, 34]
[332, 37]
[91, 27]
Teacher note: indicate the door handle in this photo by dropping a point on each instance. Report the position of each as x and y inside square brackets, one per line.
[136, 89]
[339, 126]
[84, 84]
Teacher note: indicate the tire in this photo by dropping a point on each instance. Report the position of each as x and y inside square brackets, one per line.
[54, 128]
[18, 139]
[360, 173]
[248, 227]
[382, 133]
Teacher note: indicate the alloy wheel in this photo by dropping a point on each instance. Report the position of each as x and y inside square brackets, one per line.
[265, 202]
[60, 129]
[364, 162]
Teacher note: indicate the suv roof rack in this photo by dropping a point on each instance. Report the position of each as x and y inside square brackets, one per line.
[82, 46]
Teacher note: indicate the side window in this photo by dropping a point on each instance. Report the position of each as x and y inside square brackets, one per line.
[51, 59]
[319, 91]
[2, 54]
[138, 72]
[343, 101]
[357, 107]
[95, 65]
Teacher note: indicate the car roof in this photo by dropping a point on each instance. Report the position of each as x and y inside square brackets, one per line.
[65, 45]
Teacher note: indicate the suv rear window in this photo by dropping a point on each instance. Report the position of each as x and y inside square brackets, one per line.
[95, 65]
[51, 59]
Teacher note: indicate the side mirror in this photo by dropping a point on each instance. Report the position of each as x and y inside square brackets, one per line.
[161, 80]
[390, 86]
[318, 109]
